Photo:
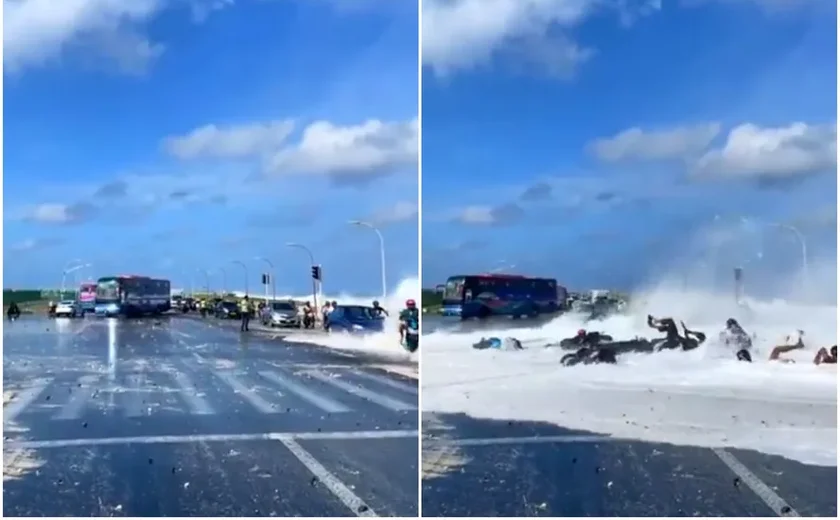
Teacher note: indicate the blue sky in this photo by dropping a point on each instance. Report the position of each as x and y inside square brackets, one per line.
[165, 136]
[597, 141]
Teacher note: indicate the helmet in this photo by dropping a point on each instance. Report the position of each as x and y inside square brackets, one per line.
[581, 332]
[410, 303]
[731, 322]
[375, 303]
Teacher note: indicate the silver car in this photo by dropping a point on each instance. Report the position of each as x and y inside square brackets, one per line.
[67, 308]
[281, 314]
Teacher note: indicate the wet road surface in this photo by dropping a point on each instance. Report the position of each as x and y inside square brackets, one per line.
[476, 467]
[176, 417]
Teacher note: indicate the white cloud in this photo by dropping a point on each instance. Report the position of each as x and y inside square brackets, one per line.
[37, 32]
[462, 34]
[370, 148]
[476, 215]
[399, 212]
[56, 213]
[753, 151]
[490, 215]
[33, 244]
[674, 143]
[232, 142]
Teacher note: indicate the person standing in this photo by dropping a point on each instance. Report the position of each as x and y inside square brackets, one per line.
[245, 312]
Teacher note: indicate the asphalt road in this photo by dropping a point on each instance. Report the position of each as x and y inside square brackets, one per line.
[482, 468]
[177, 417]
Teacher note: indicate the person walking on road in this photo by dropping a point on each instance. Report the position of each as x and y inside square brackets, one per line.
[245, 312]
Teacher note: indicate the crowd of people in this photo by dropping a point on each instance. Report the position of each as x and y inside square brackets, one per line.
[597, 347]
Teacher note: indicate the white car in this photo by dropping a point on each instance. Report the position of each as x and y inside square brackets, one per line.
[67, 308]
[281, 314]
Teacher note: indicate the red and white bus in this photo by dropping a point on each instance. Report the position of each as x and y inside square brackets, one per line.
[87, 297]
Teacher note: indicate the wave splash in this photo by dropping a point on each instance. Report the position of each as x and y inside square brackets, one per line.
[385, 344]
[701, 398]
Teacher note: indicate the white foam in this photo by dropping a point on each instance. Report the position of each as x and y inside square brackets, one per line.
[702, 398]
[385, 344]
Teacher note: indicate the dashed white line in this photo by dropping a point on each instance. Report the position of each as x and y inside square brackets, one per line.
[74, 406]
[330, 481]
[364, 393]
[189, 393]
[249, 395]
[383, 380]
[23, 399]
[133, 397]
[324, 403]
[762, 490]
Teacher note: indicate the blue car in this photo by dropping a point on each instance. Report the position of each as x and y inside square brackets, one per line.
[356, 319]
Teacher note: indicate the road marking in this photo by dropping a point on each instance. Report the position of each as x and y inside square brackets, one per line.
[542, 439]
[762, 490]
[405, 387]
[330, 481]
[186, 439]
[23, 399]
[189, 393]
[249, 395]
[364, 393]
[74, 406]
[182, 334]
[324, 403]
[133, 396]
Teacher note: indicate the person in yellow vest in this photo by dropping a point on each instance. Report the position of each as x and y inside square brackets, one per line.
[245, 312]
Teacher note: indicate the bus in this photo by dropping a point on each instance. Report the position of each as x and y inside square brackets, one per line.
[486, 295]
[129, 295]
[87, 297]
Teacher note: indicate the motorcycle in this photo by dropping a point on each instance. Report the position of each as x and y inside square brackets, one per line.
[411, 338]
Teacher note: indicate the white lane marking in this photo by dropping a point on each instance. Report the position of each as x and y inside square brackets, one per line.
[364, 393]
[134, 396]
[762, 490]
[324, 403]
[543, 439]
[249, 395]
[186, 439]
[183, 334]
[398, 385]
[74, 406]
[23, 399]
[189, 393]
[329, 480]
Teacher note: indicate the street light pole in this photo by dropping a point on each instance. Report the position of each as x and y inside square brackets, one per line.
[245, 267]
[803, 244]
[312, 263]
[64, 277]
[224, 281]
[206, 279]
[381, 252]
[273, 281]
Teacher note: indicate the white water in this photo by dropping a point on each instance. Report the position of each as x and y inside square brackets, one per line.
[698, 398]
[385, 344]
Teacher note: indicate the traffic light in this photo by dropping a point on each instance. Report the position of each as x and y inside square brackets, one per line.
[316, 272]
[266, 279]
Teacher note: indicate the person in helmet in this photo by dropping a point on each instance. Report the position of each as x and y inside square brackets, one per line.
[793, 341]
[378, 311]
[672, 339]
[826, 356]
[409, 318]
[498, 344]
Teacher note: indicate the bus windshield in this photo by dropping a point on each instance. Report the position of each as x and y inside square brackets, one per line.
[454, 289]
[107, 290]
[87, 292]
